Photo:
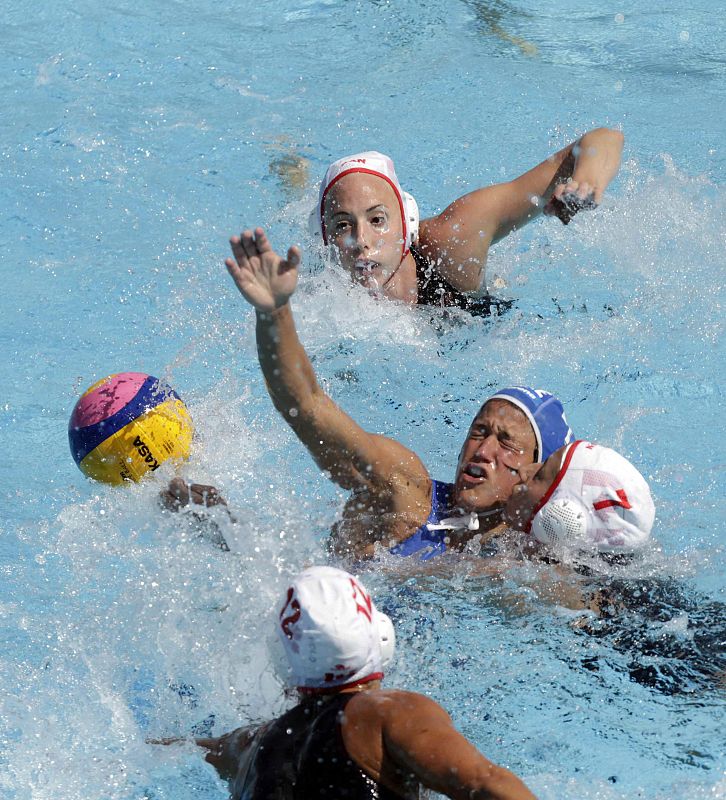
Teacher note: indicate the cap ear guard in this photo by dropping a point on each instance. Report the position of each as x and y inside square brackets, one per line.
[560, 524]
[410, 209]
[387, 637]
[315, 227]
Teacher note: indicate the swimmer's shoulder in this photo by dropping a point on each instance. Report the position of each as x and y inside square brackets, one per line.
[400, 467]
[383, 705]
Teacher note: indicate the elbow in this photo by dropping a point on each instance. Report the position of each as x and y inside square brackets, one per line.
[613, 134]
[617, 136]
[296, 410]
[289, 410]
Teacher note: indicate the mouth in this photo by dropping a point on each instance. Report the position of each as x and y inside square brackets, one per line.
[473, 474]
[365, 266]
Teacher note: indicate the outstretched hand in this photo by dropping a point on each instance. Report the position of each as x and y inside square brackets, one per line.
[265, 280]
[570, 198]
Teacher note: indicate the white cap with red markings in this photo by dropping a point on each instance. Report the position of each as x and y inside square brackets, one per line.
[598, 501]
[372, 163]
[334, 636]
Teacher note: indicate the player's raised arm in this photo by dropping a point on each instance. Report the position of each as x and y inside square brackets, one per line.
[353, 457]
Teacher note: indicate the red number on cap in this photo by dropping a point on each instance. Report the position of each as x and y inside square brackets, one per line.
[360, 596]
[294, 617]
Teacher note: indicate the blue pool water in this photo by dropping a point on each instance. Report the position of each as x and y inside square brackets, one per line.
[135, 141]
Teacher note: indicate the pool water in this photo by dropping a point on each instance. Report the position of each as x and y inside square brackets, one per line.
[141, 139]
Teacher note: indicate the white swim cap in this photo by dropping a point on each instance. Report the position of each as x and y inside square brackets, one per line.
[332, 633]
[598, 501]
[372, 163]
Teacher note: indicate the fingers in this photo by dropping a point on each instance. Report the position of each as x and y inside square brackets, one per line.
[232, 266]
[179, 493]
[240, 259]
[579, 194]
[570, 198]
[262, 277]
[261, 241]
[294, 256]
[176, 495]
[243, 250]
[206, 495]
[250, 244]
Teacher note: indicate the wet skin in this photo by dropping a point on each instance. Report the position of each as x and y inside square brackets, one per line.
[455, 243]
[363, 223]
[533, 481]
[500, 442]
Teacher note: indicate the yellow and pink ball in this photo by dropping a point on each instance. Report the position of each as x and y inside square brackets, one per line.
[127, 425]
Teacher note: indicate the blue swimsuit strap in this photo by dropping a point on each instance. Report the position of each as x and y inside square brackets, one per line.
[425, 543]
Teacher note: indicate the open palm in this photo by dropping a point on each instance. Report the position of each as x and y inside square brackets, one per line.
[265, 280]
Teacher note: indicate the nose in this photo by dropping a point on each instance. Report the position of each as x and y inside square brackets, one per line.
[487, 449]
[360, 239]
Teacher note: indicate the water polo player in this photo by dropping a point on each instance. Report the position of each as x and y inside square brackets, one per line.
[394, 501]
[372, 226]
[585, 497]
[588, 500]
[349, 737]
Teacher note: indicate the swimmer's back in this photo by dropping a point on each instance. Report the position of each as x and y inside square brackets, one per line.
[302, 755]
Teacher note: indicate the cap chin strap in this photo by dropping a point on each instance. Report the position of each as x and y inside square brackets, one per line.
[468, 522]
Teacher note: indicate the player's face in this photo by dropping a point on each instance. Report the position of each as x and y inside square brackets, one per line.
[499, 443]
[363, 223]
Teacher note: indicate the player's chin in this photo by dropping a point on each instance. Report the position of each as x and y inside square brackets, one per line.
[477, 498]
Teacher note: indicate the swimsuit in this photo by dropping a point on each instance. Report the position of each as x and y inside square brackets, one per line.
[302, 756]
[433, 290]
[426, 543]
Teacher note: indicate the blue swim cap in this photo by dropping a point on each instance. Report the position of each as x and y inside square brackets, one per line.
[545, 414]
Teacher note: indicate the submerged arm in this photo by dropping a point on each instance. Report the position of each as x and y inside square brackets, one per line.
[222, 752]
